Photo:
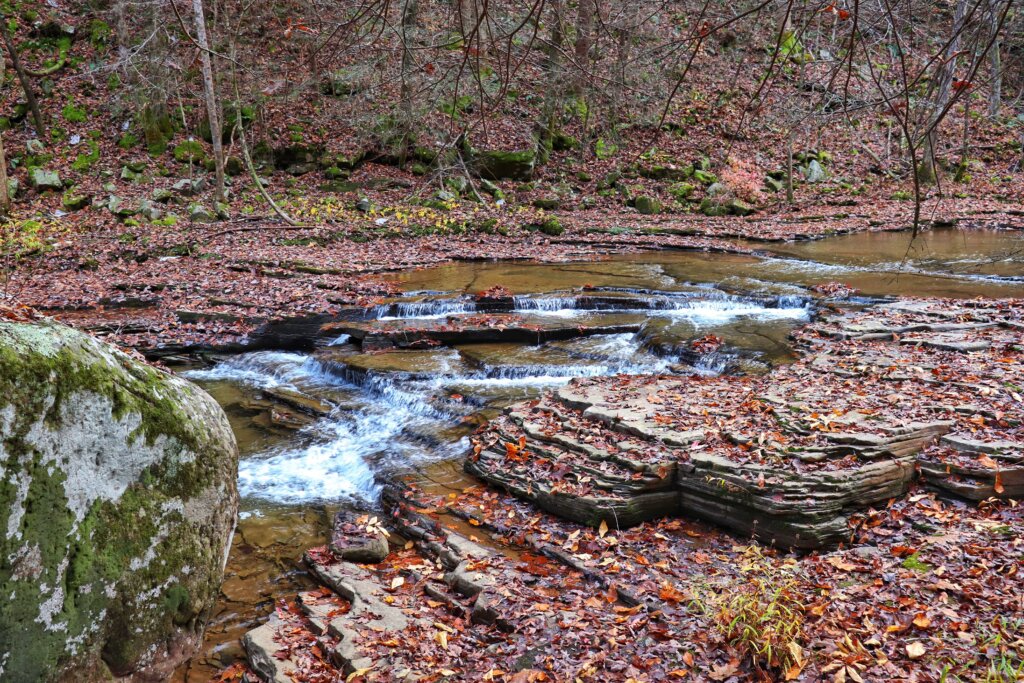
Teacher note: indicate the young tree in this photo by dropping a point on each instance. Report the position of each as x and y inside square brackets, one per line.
[210, 93]
[26, 82]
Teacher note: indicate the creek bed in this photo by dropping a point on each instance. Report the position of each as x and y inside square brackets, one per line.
[324, 429]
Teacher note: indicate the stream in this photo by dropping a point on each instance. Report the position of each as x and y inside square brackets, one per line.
[323, 429]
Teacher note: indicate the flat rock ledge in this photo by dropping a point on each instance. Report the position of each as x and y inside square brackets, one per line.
[791, 458]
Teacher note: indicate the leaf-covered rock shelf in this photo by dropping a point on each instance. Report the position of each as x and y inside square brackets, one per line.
[888, 460]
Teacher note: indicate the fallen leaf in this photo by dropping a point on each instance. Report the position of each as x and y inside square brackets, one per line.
[915, 650]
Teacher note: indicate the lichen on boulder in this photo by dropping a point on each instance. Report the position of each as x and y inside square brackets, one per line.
[117, 504]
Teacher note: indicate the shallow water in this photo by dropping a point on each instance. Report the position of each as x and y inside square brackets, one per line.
[407, 413]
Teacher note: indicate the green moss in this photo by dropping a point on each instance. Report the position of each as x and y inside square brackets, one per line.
[93, 600]
[549, 226]
[190, 151]
[83, 162]
[914, 563]
[497, 165]
[73, 113]
[605, 150]
[127, 141]
[157, 128]
[99, 32]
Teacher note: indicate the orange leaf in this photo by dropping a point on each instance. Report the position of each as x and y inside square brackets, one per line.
[988, 462]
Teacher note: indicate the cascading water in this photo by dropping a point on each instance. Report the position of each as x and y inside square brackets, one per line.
[394, 419]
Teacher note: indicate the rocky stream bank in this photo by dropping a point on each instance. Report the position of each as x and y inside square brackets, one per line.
[890, 454]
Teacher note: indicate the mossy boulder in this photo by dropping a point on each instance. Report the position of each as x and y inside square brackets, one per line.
[500, 165]
[549, 226]
[681, 191]
[117, 506]
[647, 205]
[190, 151]
[704, 177]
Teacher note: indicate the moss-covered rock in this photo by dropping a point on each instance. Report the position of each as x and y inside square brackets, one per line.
[647, 205]
[499, 165]
[704, 177]
[73, 201]
[190, 151]
[681, 191]
[116, 508]
[42, 179]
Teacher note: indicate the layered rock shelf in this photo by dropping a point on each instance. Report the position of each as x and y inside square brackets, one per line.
[583, 558]
[788, 457]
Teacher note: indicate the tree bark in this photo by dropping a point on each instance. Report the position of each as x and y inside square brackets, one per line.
[5, 195]
[928, 172]
[410, 12]
[210, 92]
[995, 99]
[26, 82]
[585, 18]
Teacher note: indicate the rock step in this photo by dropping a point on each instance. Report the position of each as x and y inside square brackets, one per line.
[261, 647]
[578, 501]
[558, 460]
[976, 467]
[555, 423]
[382, 336]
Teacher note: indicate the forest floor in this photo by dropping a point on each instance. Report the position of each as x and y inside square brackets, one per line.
[922, 585]
[926, 588]
[195, 286]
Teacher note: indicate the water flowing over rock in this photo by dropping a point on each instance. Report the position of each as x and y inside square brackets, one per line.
[117, 504]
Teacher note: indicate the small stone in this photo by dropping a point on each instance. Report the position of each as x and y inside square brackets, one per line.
[363, 205]
[647, 205]
[132, 176]
[117, 207]
[75, 202]
[815, 172]
[188, 187]
[149, 210]
[200, 214]
[42, 180]
[301, 169]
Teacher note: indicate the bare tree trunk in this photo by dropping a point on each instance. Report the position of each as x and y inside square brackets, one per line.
[928, 172]
[473, 22]
[789, 168]
[212, 106]
[5, 195]
[26, 82]
[410, 12]
[553, 65]
[585, 18]
[996, 93]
